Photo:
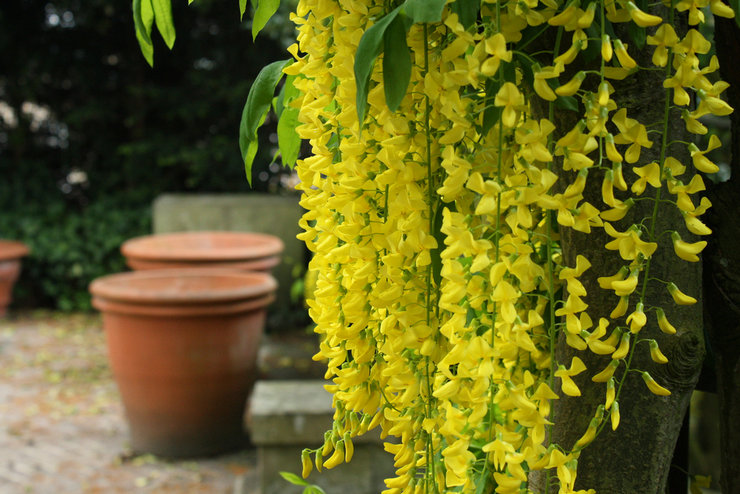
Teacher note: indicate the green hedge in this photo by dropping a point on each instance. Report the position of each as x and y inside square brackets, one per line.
[69, 249]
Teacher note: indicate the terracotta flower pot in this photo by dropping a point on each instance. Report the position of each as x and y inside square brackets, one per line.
[182, 346]
[241, 250]
[11, 253]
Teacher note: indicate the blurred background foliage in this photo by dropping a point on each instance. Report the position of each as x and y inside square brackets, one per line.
[90, 134]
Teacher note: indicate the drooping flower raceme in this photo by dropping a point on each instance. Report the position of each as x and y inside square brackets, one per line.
[434, 226]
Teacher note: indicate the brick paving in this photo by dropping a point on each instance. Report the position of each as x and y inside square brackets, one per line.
[62, 429]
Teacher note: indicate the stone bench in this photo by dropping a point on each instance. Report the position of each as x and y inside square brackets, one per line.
[287, 416]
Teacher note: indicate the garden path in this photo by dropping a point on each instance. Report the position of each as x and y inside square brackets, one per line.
[62, 429]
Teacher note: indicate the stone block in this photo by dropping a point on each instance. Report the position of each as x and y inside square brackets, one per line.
[287, 416]
[262, 213]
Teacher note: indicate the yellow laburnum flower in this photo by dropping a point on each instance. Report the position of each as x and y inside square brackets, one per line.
[625, 60]
[607, 373]
[687, 251]
[336, 458]
[589, 435]
[695, 225]
[610, 393]
[698, 482]
[637, 319]
[306, 462]
[694, 42]
[540, 85]
[665, 37]
[621, 308]
[720, 9]
[626, 286]
[656, 354]
[606, 48]
[571, 87]
[499, 449]
[679, 297]
[654, 387]
[711, 104]
[649, 174]
[568, 386]
[607, 190]
[631, 132]
[701, 162]
[595, 344]
[614, 412]
[674, 168]
[619, 181]
[587, 17]
[663, 322]
[605, 282]
[570, 54]
[566, 17]
[495, 46]
[641, 18]
[511, 99]
[532, 136]
[696, 16]
[623, 348]
[629, 243]
[611, 149]
[618, 212]
[693, 125]
[457, 457]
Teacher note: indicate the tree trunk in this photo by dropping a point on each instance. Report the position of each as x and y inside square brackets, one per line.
[636, 458]
[722, 279]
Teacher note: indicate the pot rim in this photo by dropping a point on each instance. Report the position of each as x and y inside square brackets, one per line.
[181, 287]
[256, 245]
[12, 249]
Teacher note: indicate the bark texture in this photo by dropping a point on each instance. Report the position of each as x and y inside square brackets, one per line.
[636, 458]
[722, 278]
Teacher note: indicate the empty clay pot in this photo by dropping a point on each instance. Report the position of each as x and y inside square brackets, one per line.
[183, 348]
[11, 253]
[241, 250]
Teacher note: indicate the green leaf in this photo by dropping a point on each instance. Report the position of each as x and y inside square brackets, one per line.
[313, 489]
[143, 19]
[424, 10]
[396, 63]
[370, 46]
[293, 478]
[466, 10]
[567, 103]
[255, 110]
[242, 9]
[265, 10]
[637, 35]
[163, 19]
[289, 141]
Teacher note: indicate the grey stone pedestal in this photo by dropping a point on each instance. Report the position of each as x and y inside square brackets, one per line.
[287, 416]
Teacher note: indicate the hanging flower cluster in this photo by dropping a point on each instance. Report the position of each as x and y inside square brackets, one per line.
[435, 195]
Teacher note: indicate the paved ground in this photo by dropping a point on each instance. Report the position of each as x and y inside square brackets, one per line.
[61, 425]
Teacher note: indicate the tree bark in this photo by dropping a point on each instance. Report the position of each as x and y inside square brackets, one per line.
[722, 279]
[636, 458]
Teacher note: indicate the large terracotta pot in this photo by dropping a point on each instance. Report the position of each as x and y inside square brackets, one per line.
[182, 346]
[11, 253]
[241, 250]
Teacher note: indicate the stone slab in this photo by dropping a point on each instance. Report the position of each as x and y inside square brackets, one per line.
[261, 213]
[287, 416]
